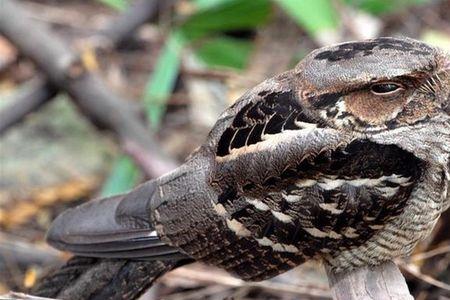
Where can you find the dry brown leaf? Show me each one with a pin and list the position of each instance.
(26, 209)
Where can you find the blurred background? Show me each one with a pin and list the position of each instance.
(135, 87)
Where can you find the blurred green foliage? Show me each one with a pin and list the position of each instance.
(226, 16)
(325, 17)
(125, 174)
(209, 32)
(383, 6)
(123, 177)
(225, 51)
(117, 4)
(162, 80)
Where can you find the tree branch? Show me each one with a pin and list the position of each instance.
(22, 253)
(26, 100)
(22, 296)
(380, 282)
(121, 28)
(66, 70)
(117, 31)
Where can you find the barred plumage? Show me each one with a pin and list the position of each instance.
(346, 159)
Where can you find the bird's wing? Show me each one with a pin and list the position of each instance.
(334, 201)
(298, 187)
(115, 227)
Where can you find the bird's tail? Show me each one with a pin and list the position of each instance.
(83, 278)
(118, 253)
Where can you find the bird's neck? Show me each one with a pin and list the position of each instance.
(429, 142)
(402, 233)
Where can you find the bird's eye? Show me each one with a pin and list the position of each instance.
(384, 89)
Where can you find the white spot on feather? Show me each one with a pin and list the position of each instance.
(388, 191)
(394, 178)
(281, 216)
(238, 228)
(331, 184)
(321, 234)
(258, 204)
(305, 183)
(274, 139)
(350, 232)
(219, 209)
(306, 125)
(331, 207)
(268, 141)
(360, 182)
(291, 198)
(264, 241)
(277, 246)
(376, 227)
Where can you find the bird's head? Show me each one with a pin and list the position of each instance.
(391, 91)
(387, 91)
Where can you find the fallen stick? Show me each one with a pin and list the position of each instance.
(66, 70)
(24, 253)
(381, 282)
(40, 91)
(26, 100)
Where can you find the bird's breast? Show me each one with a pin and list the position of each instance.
(400, 235)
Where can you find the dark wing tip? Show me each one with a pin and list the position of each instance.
(110, 227)
(91, 222)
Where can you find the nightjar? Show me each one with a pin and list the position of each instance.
(345, 159)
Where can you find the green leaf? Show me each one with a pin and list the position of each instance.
(205, 4)
(226, 16)
(225, 51)
(163, 78)
(383, 6)
(123, 177)
(314, 16)
(116, 4)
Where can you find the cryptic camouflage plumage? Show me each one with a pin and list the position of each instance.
(345, 159)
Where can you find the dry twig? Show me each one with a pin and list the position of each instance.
(380, 282)
(24, 253)
(426, 255)
(227, 280)
(415, 271)
(22, 296)
(26, 100)
(66, 70)
(118, 31)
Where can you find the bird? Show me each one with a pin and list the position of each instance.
(344, 159)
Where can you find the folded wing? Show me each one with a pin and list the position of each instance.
(114, 227)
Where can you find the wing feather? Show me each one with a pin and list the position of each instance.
(115, 227)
